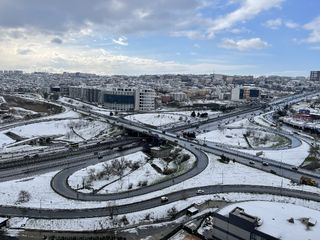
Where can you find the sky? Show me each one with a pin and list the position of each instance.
(133, 37)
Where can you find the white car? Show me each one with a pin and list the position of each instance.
(164, 199)
(200, 191)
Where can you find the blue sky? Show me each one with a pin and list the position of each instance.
(259, 37)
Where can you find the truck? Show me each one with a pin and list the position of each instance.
(308, 181)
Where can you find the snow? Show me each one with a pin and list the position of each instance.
(68, 113)
(166, 118)
(225, 136)
(188, 113)
(235, 137)
(79, 104)
(215, 173)
(262, 121)
(84, 128)
(2, 100)
(25, 111)
(241, 123)
(293, 156)
(5, 140)
(156, 214)
(156, 119)
(130, 180)
(76, 179)
(275, 219)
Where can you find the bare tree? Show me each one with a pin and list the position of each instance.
(23, 197)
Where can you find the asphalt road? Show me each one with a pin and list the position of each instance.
(154, 202)
(59, 182)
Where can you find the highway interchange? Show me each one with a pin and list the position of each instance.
(71, 164)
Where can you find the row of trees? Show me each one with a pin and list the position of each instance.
(201, 115)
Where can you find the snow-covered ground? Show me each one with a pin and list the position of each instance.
(242, 123)
(157, 119)
(262, 121)
(86, 129)
(216, 173)
(257, 138)
(147, 174)
(188, 113)
(130, 179)
(293, 156)
(275, 218)
(140, 218)
(68, 113)
(80, 104)
(5, 140)
(166, 118)
(81, 177)
(225, 136)
(41, 194)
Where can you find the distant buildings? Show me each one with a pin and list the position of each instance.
(315, 76)
(248, 93)
(121, 99)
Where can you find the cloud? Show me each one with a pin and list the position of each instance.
(24, 51)
(244, 44)
(112, 16)
(57, 40)
(63, 57)
(278, 22)
(189, 34)
(121, 41)
(314, 28)
(247, 10)
(274, 23)
(291, 24)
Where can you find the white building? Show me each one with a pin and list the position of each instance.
(245, 93)
(179, 96)
(119, 99)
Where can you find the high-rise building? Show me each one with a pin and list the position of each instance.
(315, 75)
(248, 93)
(121, 99)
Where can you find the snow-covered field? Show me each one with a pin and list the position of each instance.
(5, 140)
(275, 218)
(86, 129)
(81, 177)
(68, 113)
(154, 214)
(293, 156)
(157, 119)
(130, 178)
(147, 174)
(41, 194)
(161, 118)
(215, 173)
(235, 137)
(80, 104)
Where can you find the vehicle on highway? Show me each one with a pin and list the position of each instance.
(295, 168)
(308, 181)
(200, 191)
(265, 164)
(273, 172)
(164, 199)
(251, 162)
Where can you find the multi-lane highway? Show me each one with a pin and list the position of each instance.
(154, 202)
(59, 182)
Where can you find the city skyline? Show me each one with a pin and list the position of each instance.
(273, 37)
